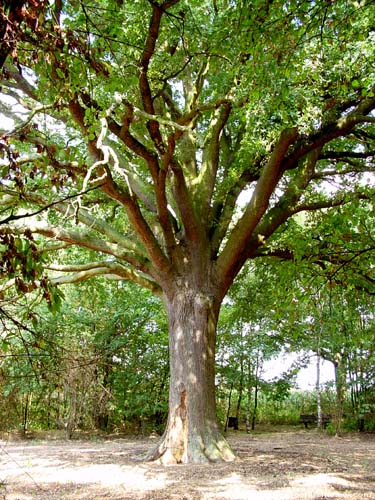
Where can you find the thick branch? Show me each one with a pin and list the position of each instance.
(127, 201)
(182, 195)
(285, 207)
(339, 128)
(339, 261)
(83, 239)
(108, 268)
(93, 223)
(22, 83)
(20, 127)
(205, 184)
(231, 255)
(334, 201)
(146, 95)
(132, 143)
(278, 216)
(344, 155)
(143, 229)
(164, 215)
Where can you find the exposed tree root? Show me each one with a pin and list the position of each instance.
(175, 448)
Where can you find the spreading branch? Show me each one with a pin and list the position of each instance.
(234, 249)
(108, 269)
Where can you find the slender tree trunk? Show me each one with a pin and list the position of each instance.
(256, 390)
(192, 433)
(249, 398)
(318, 392)
(25, 416)
(101, 411)
(49, 409)
(103, 417)
(340, 382)
(253, 420)
(71, 422)
(229, 407)
(240, 390)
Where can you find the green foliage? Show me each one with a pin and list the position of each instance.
(83, 367)
(20, 260)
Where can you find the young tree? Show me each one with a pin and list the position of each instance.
(144, 122)
(247, 337)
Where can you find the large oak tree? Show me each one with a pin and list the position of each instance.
(174, 141)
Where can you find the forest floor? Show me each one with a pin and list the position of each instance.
(284, 465)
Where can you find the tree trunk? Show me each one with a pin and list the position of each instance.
(254, 417)
(249, 394)
(229, 407)
(25, 416)
(340, 382)
(240, 389)
(192, 433)
(256, 391)
(318, 392)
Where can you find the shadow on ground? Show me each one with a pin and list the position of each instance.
(294, 465)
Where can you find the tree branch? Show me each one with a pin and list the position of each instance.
(230, 259)
(185, 205)
(125, 198)
(145, 89)
(339, 128)
(83, 239)
(46, 206)
(22, 83)
(205, 184)
(108, 269)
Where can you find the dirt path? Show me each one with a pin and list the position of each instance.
(294, 465)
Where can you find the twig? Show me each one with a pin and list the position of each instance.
(27, 214)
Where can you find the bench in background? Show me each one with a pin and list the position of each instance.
(312, 418)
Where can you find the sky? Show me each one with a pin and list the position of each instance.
(306, 378)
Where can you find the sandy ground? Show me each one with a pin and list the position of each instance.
(293, 465)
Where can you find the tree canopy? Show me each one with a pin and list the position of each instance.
(176, 140)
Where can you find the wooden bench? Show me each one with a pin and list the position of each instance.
(365, 417)
(233, 422)
(312, 418)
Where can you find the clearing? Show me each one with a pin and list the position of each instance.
(283, 465)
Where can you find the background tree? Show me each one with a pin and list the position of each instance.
(326, 305)
(246, 339)
(140, 138)
(100, 362)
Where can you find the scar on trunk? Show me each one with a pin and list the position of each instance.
(181, 410)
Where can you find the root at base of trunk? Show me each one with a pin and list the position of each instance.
(196, 450)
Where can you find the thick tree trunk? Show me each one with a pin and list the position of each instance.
(192, 433)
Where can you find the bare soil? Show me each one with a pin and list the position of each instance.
(282, 465)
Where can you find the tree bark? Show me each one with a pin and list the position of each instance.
(192, 434)
(256, 389)
(340, 383)
(318, 391)
(229, 407)
(249, 394)
(25, 416)
(241, 387)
